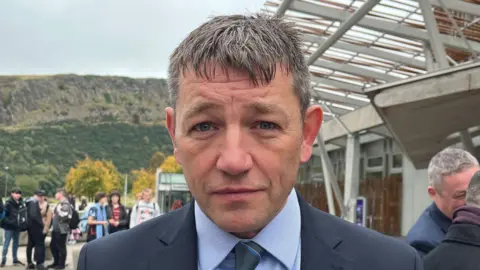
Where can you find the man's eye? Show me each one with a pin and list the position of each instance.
(202, 127)
(266, 125)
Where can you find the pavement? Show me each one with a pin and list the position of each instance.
(22, 256)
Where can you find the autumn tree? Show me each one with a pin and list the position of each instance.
(91, 176)
(142, 179)
(156, 161)
(170, 165)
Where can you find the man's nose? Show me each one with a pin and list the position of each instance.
(234, 158)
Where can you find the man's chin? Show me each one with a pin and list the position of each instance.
(243, 224)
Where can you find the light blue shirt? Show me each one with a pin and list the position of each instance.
(281, 238)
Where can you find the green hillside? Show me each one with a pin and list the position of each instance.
(47, 123)
(45, 154)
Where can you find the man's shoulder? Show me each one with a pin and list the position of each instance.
(363, 244)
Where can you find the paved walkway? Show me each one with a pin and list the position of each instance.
(22, 256)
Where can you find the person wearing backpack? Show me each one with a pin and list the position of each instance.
(145, 209)
(15, 221)
(35, 232)
(62, 214)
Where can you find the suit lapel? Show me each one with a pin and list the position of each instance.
(320, 241)
(177, 243)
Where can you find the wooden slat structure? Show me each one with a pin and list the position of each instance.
(384, 197)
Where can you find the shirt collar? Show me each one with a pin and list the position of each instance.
(281, 237)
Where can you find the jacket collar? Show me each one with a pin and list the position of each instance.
(468, 234)
(439, 218)
(178, 240)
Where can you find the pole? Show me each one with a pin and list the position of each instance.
(125, 190)
(6, 181)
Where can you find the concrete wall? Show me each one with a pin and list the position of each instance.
(415, 196)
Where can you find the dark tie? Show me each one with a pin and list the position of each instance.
(247, 255)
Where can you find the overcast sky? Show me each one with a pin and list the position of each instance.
(105, 37)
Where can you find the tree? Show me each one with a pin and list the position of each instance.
(170, 165)
(26, 184)
(156, 161)
(92, 176)
(142, 179)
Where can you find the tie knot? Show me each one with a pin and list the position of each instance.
(248, 255)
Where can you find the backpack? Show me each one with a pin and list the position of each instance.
(83, 225)
(74, 220)
(22, 217)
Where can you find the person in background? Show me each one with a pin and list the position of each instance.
(83, 204)
(449, 173)
(460, 249)
(35, 232)
(117, 214)
(72, 200)
(11, 225)
(138, 197)
(97, 218)
(145, 209)
(62, 213)
(47, 215)
(177, 204)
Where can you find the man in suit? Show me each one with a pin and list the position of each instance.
(241, 124)
(461, 246)
(449, 173)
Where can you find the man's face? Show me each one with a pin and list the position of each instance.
(16, 195)
(240, 146)
(58, 196)
(453, 191)
(147, 196)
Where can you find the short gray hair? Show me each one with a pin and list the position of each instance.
(251, 44)
(448, 162)
(473, 191)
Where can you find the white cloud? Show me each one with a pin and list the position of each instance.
(116, 37)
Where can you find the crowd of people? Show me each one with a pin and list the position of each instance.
(35, 216)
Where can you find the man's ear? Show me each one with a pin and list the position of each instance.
(311, 125)
(170, 121)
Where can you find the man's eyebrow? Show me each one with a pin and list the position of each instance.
(199, 108)
(266, 108)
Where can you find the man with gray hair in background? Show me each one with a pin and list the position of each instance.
(461, 247)
(449, 173)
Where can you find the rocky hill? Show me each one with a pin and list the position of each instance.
(32, 100)
(47, 123)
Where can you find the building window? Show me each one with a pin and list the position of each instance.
(397, 161)
(374, 162)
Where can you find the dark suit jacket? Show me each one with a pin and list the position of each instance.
(459, 250)
(429, 230)
(170, 242)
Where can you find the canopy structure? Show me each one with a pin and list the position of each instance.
(360, 51)
(351, 45)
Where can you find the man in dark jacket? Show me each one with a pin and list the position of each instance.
(11, 225)
(461, 247)
(62, 213)
(449, 173)
(35, 232)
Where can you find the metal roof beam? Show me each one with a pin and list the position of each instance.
(342, 100)
(457, 5)
(283, 7)
(432, 30)
(379, 25)
(355, 70)
(334, 110)
(367, 50)
(338, 84)
(342, 29)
